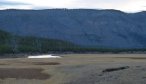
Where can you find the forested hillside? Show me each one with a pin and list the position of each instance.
(84, 27)
(27, 44)
(14, 44)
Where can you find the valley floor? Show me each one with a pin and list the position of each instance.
(75, 69)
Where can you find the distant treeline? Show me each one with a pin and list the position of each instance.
(13, 44)
(27, 44)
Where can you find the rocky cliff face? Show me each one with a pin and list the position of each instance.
(96, 28)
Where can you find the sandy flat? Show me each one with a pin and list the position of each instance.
(76, 69)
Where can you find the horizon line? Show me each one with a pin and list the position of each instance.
(75, 9)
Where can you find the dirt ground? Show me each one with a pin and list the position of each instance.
(75, 69)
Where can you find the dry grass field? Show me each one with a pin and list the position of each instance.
(75, 69)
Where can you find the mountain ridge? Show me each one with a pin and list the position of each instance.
(85, 27)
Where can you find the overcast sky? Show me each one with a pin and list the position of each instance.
(123, 5)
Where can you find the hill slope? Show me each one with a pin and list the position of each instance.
(93, 28)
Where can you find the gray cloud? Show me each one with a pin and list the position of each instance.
(41, 7)
(3, 3)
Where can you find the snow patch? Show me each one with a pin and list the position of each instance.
(44, 56)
